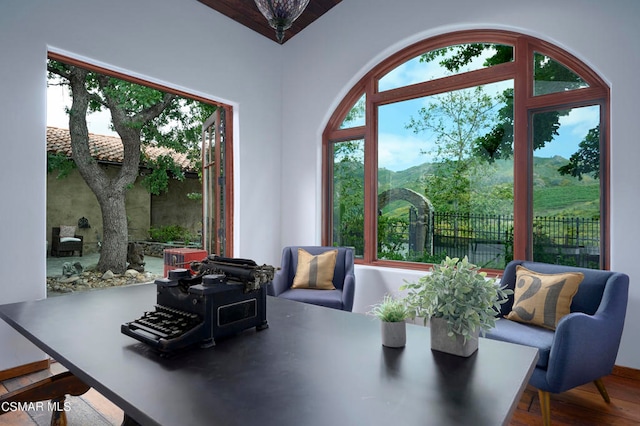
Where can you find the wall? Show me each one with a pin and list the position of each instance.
(180, 43)
(69, 199)
(331, 55)
(189, 215)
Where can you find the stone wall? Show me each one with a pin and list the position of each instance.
(175, 208)
(69, 199)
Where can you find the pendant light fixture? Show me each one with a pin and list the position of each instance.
(281, 13)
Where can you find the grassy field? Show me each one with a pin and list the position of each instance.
(574, 200)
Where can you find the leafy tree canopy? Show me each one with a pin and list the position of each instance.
(498, 143)
(587, 159)
(177, 127)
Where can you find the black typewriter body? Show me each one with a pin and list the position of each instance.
(198, 310)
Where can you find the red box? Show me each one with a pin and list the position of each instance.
(181, 258)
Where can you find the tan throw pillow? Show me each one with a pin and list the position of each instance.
(67, 231)
(315, 272)
(543, 299)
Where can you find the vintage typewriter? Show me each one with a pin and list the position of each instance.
(224, 297)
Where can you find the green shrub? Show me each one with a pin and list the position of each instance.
(170, 233)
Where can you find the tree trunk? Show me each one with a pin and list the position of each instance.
(110, 192)
(113, 255)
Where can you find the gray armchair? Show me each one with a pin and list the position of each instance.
(343, 279)
(584, 345)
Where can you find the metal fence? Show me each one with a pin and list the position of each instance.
(485, 239)
(488, 239)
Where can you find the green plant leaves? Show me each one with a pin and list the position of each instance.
(459, 292)
(390, 309)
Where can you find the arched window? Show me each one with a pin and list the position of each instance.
(504, 135)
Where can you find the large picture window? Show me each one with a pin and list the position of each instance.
(491, 145)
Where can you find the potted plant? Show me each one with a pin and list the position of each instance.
(460, 302)
(392, 312)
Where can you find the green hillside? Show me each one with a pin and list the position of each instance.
(554, 194)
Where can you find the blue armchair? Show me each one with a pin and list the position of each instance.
(343, 279)
(584, 345)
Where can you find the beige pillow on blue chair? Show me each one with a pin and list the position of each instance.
(315, 272)
(543, 299)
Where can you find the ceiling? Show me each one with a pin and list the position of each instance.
(246, 12)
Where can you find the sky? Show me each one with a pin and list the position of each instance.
(400, 148)
(59, 99)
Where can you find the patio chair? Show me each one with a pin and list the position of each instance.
(65, 242)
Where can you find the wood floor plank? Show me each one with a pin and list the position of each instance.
(106, 408)
(16, 418)
(584, 406)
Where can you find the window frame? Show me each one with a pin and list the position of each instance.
(525, 104)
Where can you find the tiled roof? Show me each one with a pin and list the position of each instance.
(108, 148)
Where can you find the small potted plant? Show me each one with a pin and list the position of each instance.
(392, 312)
(460, 302)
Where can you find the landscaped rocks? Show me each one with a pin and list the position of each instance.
(69, 280)
(91, 280)
(131, 273)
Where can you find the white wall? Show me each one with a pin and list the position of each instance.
(323, 62)
(186, 45)
(180, 43)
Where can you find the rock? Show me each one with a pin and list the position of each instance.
(131, 273)
(70, 279)
(108, 275)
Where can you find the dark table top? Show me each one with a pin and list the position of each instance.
(312, 366)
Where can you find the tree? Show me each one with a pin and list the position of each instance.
(456, 120)
(498, 143)
(140, 115)
(348, 202)
(587, 159)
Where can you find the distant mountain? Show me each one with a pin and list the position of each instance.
(554, 194)
(546, 171)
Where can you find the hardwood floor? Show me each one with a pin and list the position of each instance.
(89, 409)
(584, 406)
(580, 406)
